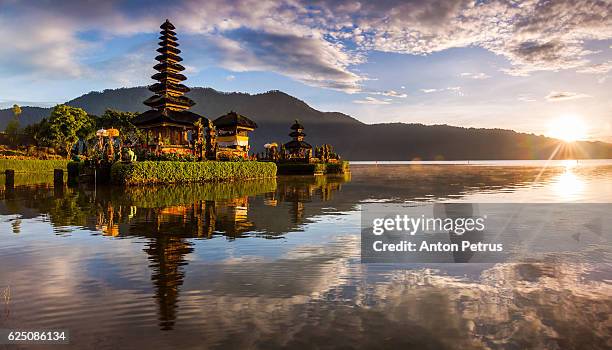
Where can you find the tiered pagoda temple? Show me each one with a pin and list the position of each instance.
(297, 149)
(169, 123)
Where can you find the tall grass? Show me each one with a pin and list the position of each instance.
(32, 165)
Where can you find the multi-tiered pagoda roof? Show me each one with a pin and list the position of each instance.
(298, 138)
(169, 105)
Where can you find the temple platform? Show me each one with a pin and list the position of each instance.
(293, 168)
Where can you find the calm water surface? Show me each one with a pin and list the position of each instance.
(276, 263)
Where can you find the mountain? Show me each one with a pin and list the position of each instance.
(274, 112)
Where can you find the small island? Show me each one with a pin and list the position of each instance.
(168, 143)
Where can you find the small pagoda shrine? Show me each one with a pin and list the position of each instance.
(297, 149)
(168, 125)
(232, 135)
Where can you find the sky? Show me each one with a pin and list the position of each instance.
(521, 65)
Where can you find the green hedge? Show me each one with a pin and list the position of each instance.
(32, 165)
(152, 172)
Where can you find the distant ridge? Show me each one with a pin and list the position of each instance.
(274, 111)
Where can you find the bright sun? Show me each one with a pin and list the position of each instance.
(568, 129)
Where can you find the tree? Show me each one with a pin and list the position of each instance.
(32, 131)
(64, 127)
(12, 131)
(16, 111)
(13, 126)
(88, 130)
(121, 121)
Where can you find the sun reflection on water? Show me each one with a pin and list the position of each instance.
(569, 185)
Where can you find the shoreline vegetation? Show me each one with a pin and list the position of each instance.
(168, 172)
(171, 172)
(32, 165)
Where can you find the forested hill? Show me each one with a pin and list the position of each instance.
(274, 112)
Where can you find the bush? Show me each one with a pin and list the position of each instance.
(151, 172)
(145, 154)
(32, 165)
(337, 168)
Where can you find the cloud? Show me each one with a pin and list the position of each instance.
(249, 35)
(44, 104)
(132, 69)
(318, 42)
(531, 35)
(230, 77)
(456, 89)
(526, 98)
(476, 76)
(312, 61)
(53, 51)
(598, 68)
(428, 91)
(369, 100)
(555, 96)
(391, 93)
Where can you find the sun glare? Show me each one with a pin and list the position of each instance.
(568, 129)
(568, 185)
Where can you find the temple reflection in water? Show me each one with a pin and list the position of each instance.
(169, 217)
(208, 210)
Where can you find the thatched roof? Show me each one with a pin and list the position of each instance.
(157, 101)
(297, 125)
(297, 144)
(167, 25)
(165, 75)
(164, 57)
(296, 134)
(234, 119)
(153, 117)
(166, 42)
(159, 88)
(165, 36)
(167, 65)
(168, 49)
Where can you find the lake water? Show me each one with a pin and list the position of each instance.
(276, 264)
